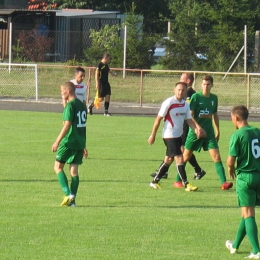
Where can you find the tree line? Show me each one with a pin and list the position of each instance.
(213, 29)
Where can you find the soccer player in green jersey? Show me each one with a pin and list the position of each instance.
(204, 109)
(70, 144)
(244, 150)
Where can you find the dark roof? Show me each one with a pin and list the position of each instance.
(10, 11)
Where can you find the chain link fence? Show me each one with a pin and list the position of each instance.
(201, 53)
(138, 88)
(19, 81)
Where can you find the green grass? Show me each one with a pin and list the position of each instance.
(118, 215)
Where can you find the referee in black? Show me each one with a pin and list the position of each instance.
(102, 84)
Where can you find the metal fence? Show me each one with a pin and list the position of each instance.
(138, 88)
(69, 47)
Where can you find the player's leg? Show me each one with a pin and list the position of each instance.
(166, 160)
(182, 173)
(250, 199)
(192, 144)
(107, 99)
(62, 178)
(215, 155)
(62, 155)
(74, 166)
(186, 155)
(74, 185)
(199, 173)
(248, 214)
(243, 199)
(161, 172)
(164, 166)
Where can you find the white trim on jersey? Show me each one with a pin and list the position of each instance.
(80, 90)
(174, 113)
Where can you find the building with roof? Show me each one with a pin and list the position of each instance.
(66, 31)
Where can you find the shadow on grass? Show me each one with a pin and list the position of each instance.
(153, 206)
(120, 181)
(141, 160)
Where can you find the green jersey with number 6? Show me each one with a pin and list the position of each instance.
(244, 144)
(203, 108)
(75, 112)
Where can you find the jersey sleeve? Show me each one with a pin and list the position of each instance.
(68, 112)
(188, 115)
(193, 102)
(85, 92)
(164, 108)
(216, 106)
(233, 146)
(99, 66)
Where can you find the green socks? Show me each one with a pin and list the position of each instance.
(252, 232)
(64, 183)
(220, 171)
(74, 185)
(241, 232)
(247, 227)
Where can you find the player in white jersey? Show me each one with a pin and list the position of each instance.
(80, 87)
(174, 111)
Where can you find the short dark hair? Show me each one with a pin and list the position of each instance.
(208, 78)
(189, 76)
(241, 112)
(181, 83)
(79, 69)
(106, 55)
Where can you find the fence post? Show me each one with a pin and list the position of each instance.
(248, 91)
(141, 88)
(10, 44)
(36, 83)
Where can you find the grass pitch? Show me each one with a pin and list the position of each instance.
(118, 215)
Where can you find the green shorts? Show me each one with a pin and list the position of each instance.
(194, 144)
(70, 156)
(248, 189)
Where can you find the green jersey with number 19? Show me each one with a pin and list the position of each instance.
(75, 112)
(203, 108)
(244, 144)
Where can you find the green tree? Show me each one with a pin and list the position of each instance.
(138, 44)
(155, 12)
(60, 4)
(211, 27)
(105, 40)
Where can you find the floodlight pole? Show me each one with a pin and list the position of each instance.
(245, 49)
(10, 45)
(124, 61)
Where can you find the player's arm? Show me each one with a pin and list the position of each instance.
(216, 124)
(156, 125)
(199, 131)
(231, 166)
(112, 73)
(97, 77)
(63, 132)
(88, 90)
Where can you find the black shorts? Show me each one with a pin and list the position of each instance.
(173, 146)
(104, 89)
